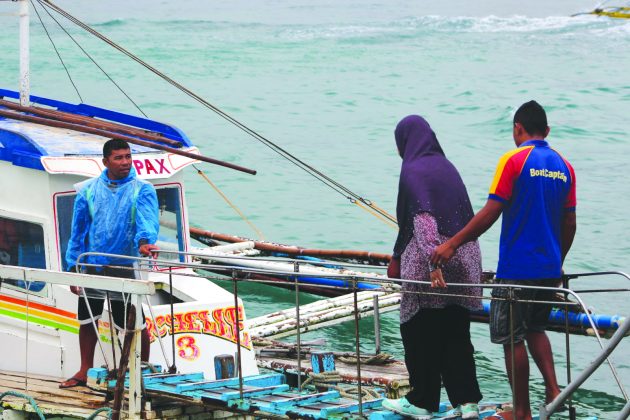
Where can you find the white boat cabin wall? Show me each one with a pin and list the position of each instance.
(39, 167)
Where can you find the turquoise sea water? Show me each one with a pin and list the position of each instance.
(329, 80)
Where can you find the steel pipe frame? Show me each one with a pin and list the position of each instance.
(544, 411)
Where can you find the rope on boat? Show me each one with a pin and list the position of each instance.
(57, 51)
(39, 412)
(261, 342)
(99, 411)
(30, 400)
(331, 379)
(377, 359)
(323, 178)
(230, 203)
(352, 392)
(168, 363)
(378, 215)
(92, 60)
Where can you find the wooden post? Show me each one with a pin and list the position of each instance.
(224, 366)
(119, 391)
(322, 361)
(135, 362)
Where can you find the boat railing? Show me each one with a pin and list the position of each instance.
(235, 269)
(134, 289)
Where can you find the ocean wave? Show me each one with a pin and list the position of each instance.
(621, 28)
(178, 25)
(411, 26)
(112, 23)
(552, 24)
(527, 24)
(337, 31)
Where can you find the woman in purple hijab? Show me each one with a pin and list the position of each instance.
(433, 205)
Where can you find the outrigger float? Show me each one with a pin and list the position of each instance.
(200, 333)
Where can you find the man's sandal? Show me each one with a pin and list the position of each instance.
(72, 382)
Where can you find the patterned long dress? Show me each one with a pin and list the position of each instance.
(464, 267)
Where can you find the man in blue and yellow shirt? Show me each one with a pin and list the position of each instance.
(534, 189)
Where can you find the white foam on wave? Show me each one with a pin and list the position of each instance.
(523, 24)
(620, 28)
(462, 24)
(337, 32)
(590, 23)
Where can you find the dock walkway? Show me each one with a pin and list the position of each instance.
(191, 397)
(82, 402)
(74, 402)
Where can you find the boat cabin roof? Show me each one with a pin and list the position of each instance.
(63, 150)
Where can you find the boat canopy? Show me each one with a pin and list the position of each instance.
(63, 150)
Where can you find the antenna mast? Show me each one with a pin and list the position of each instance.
(25, 83)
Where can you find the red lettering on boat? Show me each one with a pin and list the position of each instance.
(162, 167)
(149, 166)
(138, 165)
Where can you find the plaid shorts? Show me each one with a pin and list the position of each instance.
(526, 317)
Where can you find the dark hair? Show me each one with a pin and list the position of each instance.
(114, 144)
(532, 117)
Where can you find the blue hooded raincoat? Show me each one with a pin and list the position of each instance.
(112, 217)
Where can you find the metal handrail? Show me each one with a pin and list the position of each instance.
(238, 271)
(135, 288)
(551, 408)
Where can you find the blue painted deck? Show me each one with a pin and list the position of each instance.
(265, 393)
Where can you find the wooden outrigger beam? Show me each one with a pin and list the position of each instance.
(90, 122)
(292, 250)
(83, 129)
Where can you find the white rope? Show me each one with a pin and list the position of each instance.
(157, 332)
(93, 322)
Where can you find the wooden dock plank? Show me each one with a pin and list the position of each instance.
(78, 402)
(173, 378)
(350, 408)
(82, 393)
(257, 380)
(275, 400)
(382, 375)
(232, 394)
(307, 399)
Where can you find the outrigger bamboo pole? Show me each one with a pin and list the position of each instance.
(77, 127)
(294, 250)
(89, 122)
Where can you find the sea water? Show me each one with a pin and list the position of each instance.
(328, 80)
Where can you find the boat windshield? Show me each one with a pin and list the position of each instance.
(22, 244)
(171, 235)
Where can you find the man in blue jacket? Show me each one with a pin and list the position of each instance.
(115, 213)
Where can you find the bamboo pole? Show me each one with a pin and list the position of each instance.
(90, 122)
(76, 127)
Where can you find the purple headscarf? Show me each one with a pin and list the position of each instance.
(428, 183)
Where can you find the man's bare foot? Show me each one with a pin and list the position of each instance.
(550, 396)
